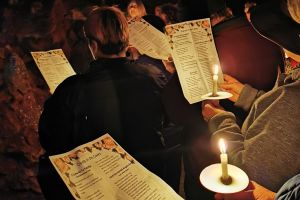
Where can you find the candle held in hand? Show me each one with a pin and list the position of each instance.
(215, 80)
(224, 160)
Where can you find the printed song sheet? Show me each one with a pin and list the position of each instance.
(194, 54)
(148, 40)
(54, 66)
(101, 169)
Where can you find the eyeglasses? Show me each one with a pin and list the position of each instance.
(88, 39)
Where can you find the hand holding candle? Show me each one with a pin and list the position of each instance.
(216, 177)
(215, 80)
(224, 163)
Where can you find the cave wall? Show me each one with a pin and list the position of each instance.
(19, 145)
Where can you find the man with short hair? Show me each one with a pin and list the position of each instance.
(115, 96)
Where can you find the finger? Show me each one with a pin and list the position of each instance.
(244, 195)
(215, 103)
(218, 196)
(251, 185)
(207, 112)
(227, 85)
(209, 108)
(203, 104)
(228, 78)
(234, 97)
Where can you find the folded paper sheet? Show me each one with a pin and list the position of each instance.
(54, 66)
(102, 169)
(148, 40)
(194, 54)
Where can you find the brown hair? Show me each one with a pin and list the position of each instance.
(108, 27)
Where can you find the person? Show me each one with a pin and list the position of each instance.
(168, 13)
(247, 61)
(133, 9)
(166, 68)
(115, 96)
(242, 52)
(266, 146)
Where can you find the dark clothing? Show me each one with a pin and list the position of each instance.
(115, 97)
(195, 135)
(192, 10)
(144, 59)
(246, 56)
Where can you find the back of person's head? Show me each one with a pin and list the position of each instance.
(108, 28)
(155, 21)
(169, 13)
(219, 11)
(133, 8)
(216, 6)
(192, 10)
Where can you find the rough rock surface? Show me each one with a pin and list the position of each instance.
(19, 145)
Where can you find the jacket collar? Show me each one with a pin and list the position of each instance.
(104, 63)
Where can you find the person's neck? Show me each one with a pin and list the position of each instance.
(120, 55)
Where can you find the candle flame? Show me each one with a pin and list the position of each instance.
(222, 146)
(216, 69)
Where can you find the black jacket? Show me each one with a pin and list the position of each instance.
(115, 97)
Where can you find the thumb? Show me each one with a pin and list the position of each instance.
(208, 107)
(219, 196)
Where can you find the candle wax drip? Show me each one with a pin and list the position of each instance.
(227, 181)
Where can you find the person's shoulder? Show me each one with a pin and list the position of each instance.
(68, 85)
(233, 23)
(140, 69)
(148, 72)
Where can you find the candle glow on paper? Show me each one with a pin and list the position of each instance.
(224, 160)
(215, 80)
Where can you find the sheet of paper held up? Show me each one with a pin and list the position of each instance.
(102, 169)
(148, 40)
(54, 66)
(194, 54)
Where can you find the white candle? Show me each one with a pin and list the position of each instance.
(224, 160)
(215, 80)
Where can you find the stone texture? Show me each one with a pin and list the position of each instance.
(19, 145)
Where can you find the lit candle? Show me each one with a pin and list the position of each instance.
(224, 160)
(215, 81)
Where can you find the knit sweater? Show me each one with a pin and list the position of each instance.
(267, 145)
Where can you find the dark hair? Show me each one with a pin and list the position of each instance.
(171, 12)
(108, 27)
(155, 21)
